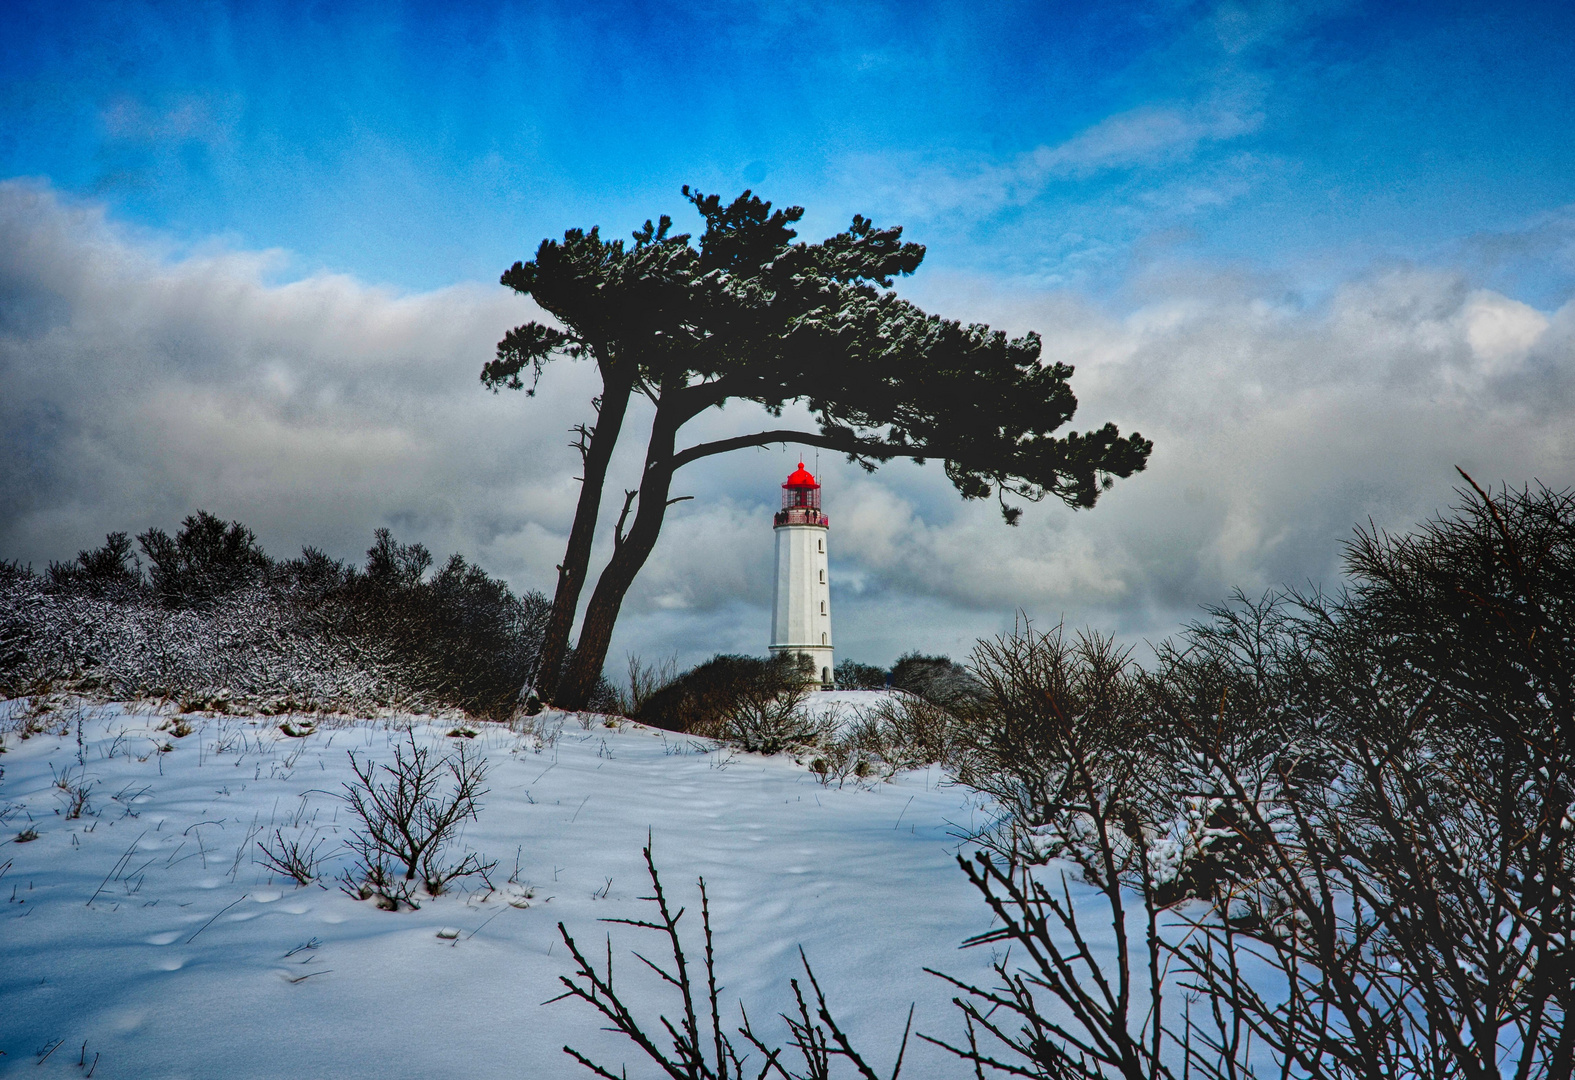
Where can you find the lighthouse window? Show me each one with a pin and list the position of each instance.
(822, 544)
(822, 577)
(822, 607)
(825, 639)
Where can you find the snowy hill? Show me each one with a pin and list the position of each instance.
(149, 929)
(845, 705)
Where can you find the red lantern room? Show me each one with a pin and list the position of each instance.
(800, 490)
(801, 500)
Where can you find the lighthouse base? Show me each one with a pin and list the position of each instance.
(820, 656)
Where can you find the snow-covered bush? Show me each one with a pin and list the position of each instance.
(854, 750)
(217, 623)
(465, 637)
(899, 732)
(254, 646)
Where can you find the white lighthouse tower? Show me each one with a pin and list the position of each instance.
(801, 608)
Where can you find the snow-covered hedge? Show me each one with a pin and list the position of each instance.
(217, 622)
(252, 646)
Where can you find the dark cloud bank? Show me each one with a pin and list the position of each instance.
(138, 383)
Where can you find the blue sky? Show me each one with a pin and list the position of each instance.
(1320, 252)
(422, 146)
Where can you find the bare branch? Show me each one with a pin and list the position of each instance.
(873, 449)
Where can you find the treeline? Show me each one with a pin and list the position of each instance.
(1335, 834)
(207, 617)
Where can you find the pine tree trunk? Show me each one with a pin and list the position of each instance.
(629, 555)
(577, 554)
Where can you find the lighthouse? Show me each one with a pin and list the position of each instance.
(801, 605)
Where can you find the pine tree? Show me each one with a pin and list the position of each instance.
(749, 314)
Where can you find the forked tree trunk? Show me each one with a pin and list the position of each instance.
(577, 554)
(629, 555)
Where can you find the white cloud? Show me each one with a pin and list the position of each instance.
(1140, 136)
(136, 386)
(1502, 332)
(1150, 135)
(1277, 428)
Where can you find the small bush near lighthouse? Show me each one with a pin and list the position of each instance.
(744, 699)
(852, 675)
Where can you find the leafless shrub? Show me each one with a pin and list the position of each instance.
(295, 858)
(853, 750)
(1146, 813)
(539, 732)
(1114, 1023)
(903, 731)
(697, 1045)
(916, 731)
(1049, 733)
(1413, 889)
(645, 680)
(74, 788)
(767, 718)
(1052, 719)
(410, 812)
(1371, 795)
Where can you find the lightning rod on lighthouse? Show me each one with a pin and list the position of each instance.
(801, 605)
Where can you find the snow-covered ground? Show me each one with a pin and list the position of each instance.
(844, 706)
(148, 930)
